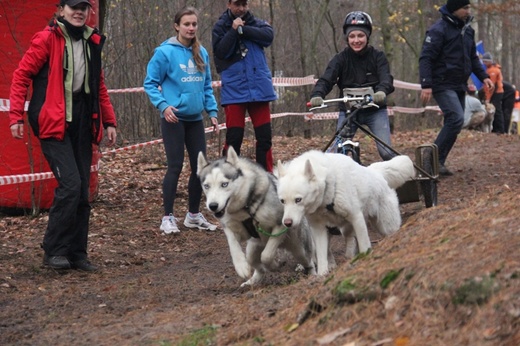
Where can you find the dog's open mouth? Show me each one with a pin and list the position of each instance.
(220, 213)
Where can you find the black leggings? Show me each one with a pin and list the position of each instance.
(175, 136)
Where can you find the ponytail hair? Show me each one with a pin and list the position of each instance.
(195, 44)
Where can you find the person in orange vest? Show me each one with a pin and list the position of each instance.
(495, 95)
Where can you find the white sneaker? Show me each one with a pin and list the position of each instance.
(169, 225)
(198, 221)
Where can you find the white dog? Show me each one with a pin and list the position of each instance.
(487, 125)
(333, 191)
(243, 196)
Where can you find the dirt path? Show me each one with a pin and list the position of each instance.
(168, 290)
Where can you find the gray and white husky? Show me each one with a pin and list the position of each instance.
(243, 196)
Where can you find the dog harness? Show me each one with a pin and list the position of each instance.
(249, 224)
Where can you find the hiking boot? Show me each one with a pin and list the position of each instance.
(198, 221)
(444, 171)
(56, 262)
(84, 265)
(169, 225)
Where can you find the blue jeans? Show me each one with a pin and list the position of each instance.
(378, 123)
(452, 104)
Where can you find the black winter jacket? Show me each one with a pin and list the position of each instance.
(449, 55)
(348, 69)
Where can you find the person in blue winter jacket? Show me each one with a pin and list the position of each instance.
(178, 84)
(447, 59)
(238, 40)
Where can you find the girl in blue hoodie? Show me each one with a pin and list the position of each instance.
(178, 83)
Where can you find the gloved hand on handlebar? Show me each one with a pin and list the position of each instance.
(379, 97)
(316, 101)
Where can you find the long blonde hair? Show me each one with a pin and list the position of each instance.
(195, 45)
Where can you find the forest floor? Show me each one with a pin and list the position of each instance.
(449, 276)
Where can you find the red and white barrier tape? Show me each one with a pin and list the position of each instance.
(4, 105)
(27, 178)
(405, 85)
(277, 81)
(407, 110)
(132, 147)
(157, 141)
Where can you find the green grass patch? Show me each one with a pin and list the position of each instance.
(389, 277)
(205, 336)
(348, 292)
(361, 256)
(475, 291)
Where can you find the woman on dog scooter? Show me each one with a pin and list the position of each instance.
(360, 65)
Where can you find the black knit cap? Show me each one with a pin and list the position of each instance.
(73, 3)
(454, 5)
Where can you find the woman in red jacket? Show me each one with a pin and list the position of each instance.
(68, 108)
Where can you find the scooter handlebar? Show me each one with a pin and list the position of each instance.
(364, 100)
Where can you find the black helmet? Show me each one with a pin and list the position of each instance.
(359, 20)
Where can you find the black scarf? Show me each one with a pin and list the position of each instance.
(76, 32)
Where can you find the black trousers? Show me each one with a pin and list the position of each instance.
(70, 161)
(498, 122)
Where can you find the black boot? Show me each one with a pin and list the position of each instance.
(56, 262)
(84, 265)
(444, 171)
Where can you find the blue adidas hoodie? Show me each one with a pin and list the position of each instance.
(173, 69)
